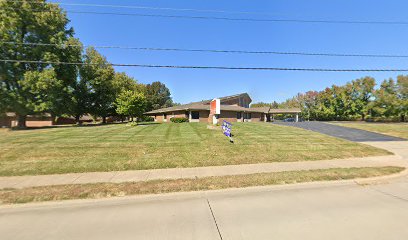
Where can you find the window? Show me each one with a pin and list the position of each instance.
(239, 115)
(195, 115)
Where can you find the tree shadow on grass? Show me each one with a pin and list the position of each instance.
(147, 123)
(66, 126)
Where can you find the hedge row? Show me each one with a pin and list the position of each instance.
(179, 120)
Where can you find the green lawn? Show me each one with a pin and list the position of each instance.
(120, 147)
(392, 129)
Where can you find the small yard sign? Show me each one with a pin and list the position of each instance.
(226, 128)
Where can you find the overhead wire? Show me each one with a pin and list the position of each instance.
(206, 67)
(150, 8)
(212, 50)
(276, 20)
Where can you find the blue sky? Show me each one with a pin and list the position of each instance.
(189, 85)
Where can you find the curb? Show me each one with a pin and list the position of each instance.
(381, 179)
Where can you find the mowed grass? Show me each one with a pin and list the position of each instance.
(103, 190)
(391, 129)
(119, 147)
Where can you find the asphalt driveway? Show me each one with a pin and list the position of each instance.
(351, 134)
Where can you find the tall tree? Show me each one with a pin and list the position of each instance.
(326, 105)
(402, 93)
(80, 102)
(260, 104)
(28, 22)
(308, 102)
(98, 74)
(73, 94)
(123, 82)
(386, 100)
(130, 103)
(158, 96)
(43, 89)
(361, 95)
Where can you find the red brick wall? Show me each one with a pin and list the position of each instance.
(257, 117)
(66, 121)
(204, 116)
(178, 114)
(227, 116)
(30, 123)
(5, 122)
(159, 118)
(234, 102)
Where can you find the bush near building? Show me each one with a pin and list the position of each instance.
(179, 120)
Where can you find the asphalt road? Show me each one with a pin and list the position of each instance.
(300, 212)
(355, 135)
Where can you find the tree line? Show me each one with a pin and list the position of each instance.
(359, 99)
(92, 86)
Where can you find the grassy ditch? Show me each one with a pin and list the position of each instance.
(103, 190)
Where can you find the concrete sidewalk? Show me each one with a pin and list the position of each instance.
(308, 211)
(400, 149)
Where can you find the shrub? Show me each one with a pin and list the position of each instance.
(179, 120)
(132, 124)
(383, 119)
(145, 119)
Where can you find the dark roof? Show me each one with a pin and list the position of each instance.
(204, 105)
(235, 96)
(261, 109)
(185, 107)
(197, 106)
(227, 98)
(289, 110)
(13, 114)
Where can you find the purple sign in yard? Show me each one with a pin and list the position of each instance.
(226, 128)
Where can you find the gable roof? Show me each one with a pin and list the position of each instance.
(204, 105)
(228, 98)
(201, 106)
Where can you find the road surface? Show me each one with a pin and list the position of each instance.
(322, 211)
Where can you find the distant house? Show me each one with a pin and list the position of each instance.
(9, 119)
(234, 108)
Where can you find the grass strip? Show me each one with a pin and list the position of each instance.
(103, 190)
(391, 129)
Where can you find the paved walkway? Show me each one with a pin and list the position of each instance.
(400, 149)
(351, 134)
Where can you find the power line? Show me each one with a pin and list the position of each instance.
(151, 8)
(214, 50)
(233, 19)
(207, 67)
